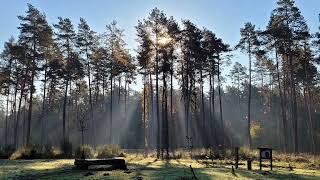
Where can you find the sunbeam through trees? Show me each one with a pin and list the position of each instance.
(65, 85)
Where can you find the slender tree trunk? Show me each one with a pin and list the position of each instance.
(306, 113)
(239, 104)
(125, 101)
(210, 140)
(202, 106)
(157, 104)
(6, 131)
(14, 110)
(6, 121)
(64, 111)
(119, 92)
(152, 108)
(50, 105)
(70, 108)
(220, 106)
(166, 122)
(11, 120)
(209, 128)
(44, 105)
(295, 117)
(293, 100)
(162, 124)
(308, 100)
(171, 102)
(33, 71)
(18, 114)
(312, 134)
(90, 98)
(111, 103)
(119, 109)
(285, 102)
(144, 117)
(214, 128)
(294, 105)
(283, 112)
(165, 127)
(249, 100)
(24, 121)
(103, 91)
(18, 120)
(30, 102)
(190, 115)
(187, 104)
(66, 97)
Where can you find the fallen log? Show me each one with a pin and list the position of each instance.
(115, 163)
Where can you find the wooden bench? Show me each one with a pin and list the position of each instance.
(115, 163)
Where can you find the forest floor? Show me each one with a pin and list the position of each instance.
(150, 168)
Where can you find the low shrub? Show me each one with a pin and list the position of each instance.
(108, 151)
(223, 153)
(181, 154)
(85, 150)
(200, 153)
(57, 153)
(247, 153)
(3, 154)
(66, 148)
(29, 152)
(47, 151)
(122, 154)
(6, 151)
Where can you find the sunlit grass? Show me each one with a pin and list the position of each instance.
(151, 168)
(55, 164)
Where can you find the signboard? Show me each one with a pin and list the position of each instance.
(265, 153)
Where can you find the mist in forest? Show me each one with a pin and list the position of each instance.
(67, 83)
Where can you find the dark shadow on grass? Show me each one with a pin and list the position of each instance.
(257, 174)
(139, 168)
(173, 171)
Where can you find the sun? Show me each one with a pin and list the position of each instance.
(164, 40)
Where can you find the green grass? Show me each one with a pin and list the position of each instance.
(150, 168)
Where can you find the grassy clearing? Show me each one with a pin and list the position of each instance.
(149, 168)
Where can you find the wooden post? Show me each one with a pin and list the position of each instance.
(260, 159)
(237, 157)
(194, 175)
(249, 164)
(271, 159)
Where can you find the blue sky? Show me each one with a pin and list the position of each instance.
(224, 17)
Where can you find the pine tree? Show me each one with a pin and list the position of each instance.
(156, 28)
(66, 39)
(6, 79)
(119, 58)
(34, 31)
(248, 43)
(85, 42)
(191, 49)
(287, 20)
